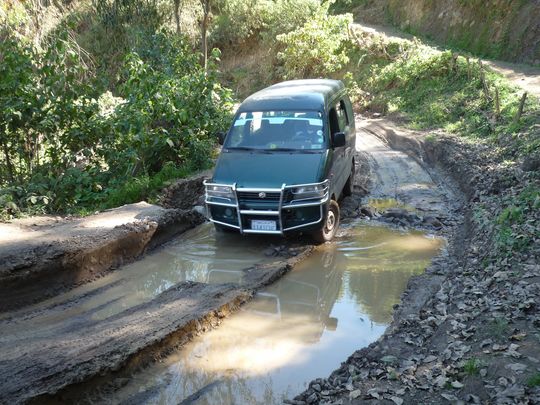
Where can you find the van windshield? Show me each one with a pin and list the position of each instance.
(277, 130)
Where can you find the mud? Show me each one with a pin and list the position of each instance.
(468, 308)
(216, 368)
(299, 327)
(102, 332)
(39, 362)
(185, 193)
(40, 257)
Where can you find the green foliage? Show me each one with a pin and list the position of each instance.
(498, 328)
(318, 48)
(240, 21)
(515, 225)
(534, 380)
(63, 148)
(472, 366)
(173, 108)
(144, 187)
(46, 114)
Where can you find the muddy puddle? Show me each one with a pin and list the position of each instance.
(198, 255)
(298, 329)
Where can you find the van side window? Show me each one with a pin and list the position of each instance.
(334, 121)
(343, 119)
(343, 108)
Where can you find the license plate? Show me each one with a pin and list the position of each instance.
(259, 225)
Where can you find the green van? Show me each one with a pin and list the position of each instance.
(286, 160)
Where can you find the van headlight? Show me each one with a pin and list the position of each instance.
(213, 191)
(312, 191)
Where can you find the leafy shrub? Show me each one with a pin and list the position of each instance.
(239, 21)
(514, 233)
(173, 109)
(63, 148)
(318, 48)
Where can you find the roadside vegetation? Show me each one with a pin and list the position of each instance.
(77, 134)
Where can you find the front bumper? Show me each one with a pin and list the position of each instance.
(272, 204)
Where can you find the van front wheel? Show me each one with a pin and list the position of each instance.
(330, 224)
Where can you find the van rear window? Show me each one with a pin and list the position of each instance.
(269, 130)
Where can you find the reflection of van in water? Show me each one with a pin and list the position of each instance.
(286, 160)
(307, 294)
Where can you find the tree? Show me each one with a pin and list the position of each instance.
(177, 7)
(206, 7)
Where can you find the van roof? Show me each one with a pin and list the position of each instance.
(311, 94)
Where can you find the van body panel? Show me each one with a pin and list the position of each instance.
(270, 170)
(259, 186)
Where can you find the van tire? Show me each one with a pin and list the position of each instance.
(348, 188)
(330, 224)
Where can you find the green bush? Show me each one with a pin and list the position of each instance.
(63, 148)
(240, 21)
(316, 49)
(173, 109)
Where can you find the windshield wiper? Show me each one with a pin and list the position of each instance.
(281, 150)
(242, 148)
(293, 150)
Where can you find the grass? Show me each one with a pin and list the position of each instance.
(472, 366)
(534, 380)
(498, 328)
(436, 89)
(144, 187)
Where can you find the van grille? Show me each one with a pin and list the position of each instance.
(254, 196)
(244, 196)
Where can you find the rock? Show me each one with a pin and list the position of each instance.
(472, 399)
(456, 384)
(200, 209)
(389, 359)
(398, 213)
(432, 221)
(449, 397)
(396, 400)
(368, 211)
(270, 252)
(531, 164)
(355, 394)
(517, 367)
(312, 398)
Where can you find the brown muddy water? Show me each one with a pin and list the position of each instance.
(198, 255)
(298, 329)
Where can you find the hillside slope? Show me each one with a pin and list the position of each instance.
(501, 29)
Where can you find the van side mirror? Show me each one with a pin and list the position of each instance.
(338, 139)
(221, 137)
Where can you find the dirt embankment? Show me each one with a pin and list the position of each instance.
(466, 330)
(41, 256)
(501, 29)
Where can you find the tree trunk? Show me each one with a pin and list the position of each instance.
(177, 15)
(521, 107)
(204, 31)
(9, 165)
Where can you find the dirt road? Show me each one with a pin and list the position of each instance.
(114, 324)
(524, 76)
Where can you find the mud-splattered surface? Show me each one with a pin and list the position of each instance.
(151, 305)
(301, 327)
(40, 257)
(339, 300)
